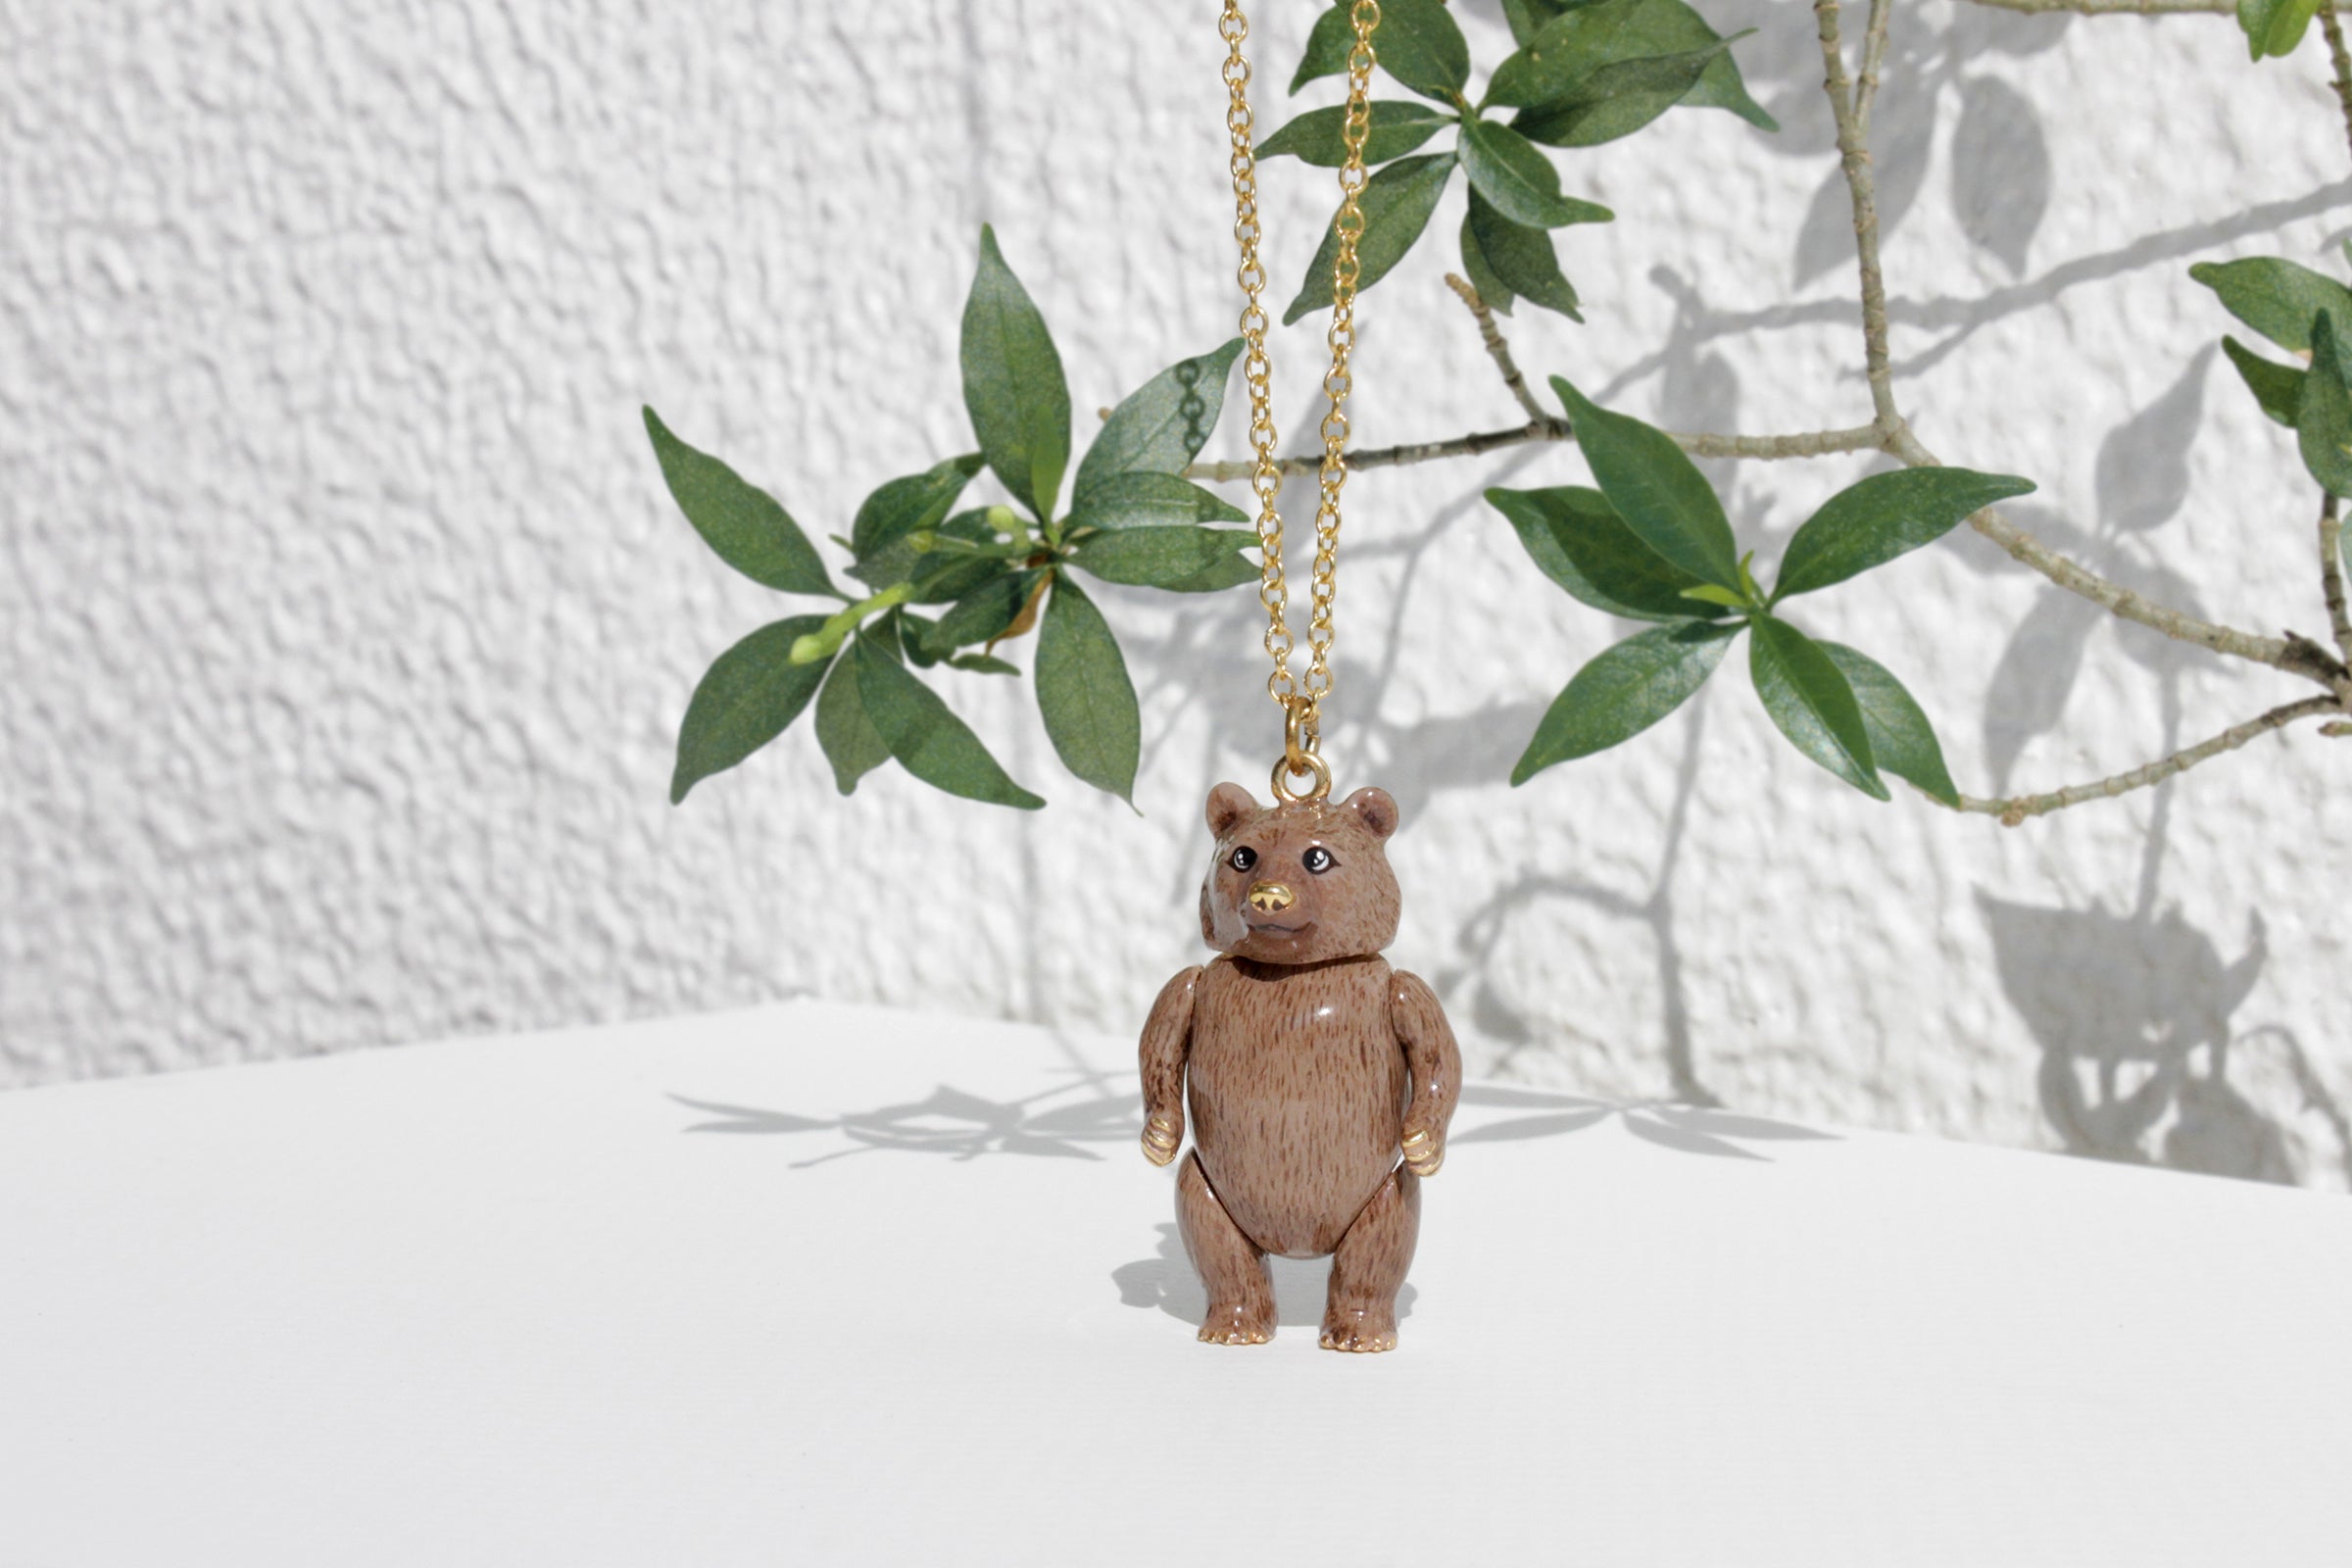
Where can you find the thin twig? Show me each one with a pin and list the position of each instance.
(2119, 8)
(2331, 577)
(2114, 596)
(1854, 153)
(1808, 444)
(1498, 350)
(1873, 56)
(2342, 60)
(1853, 148)
(2017, 809)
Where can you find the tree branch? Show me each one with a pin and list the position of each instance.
(2334, 31)
(2114, 596)
(1853, 148)
(1499, 351)
(2119, 8)
(2017, 809)
(1809, 444)
(2331, 577)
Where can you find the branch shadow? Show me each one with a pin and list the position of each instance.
(950, 1122)
(1484, 931)
(2134, 1014)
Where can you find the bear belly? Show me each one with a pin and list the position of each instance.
(1298, 1089)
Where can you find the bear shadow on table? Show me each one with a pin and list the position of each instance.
(1166, 1279)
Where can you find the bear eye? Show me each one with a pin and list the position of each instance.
(1318, 859)
(1242, 859)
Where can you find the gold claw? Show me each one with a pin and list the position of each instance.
(1161, 1139)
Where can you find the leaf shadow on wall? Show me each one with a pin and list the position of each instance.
(2141, 479)
(1505, 1021)
(1999, 184)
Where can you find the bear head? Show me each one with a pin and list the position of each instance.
(1300, 883)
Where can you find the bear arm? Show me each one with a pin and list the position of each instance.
(1436, 1061)
(1160, 1054)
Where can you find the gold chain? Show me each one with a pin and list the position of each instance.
(1302, 700)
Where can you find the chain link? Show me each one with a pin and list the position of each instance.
(1302, 698)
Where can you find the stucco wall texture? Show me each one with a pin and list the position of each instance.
(347, 624)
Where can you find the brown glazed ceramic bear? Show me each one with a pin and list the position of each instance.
(1320, 1079)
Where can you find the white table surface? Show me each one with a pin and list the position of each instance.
(828, 1285)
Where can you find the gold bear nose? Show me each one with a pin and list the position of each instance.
(1270, 897)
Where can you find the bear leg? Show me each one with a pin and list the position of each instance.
(1368, 1269)
(1240, 1298)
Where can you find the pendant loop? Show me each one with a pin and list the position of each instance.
(1301, 742)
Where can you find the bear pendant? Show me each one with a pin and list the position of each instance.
(1319, 1079)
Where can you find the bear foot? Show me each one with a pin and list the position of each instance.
(1234, 1325)
(1363, 1332)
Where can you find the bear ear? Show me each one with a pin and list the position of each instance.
(1375, 809)
(1228, 805)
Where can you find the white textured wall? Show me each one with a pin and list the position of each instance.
(347, 627)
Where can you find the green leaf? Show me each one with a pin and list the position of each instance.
(742, 522)
(1901, 740)
(1418, 42)
(914, 632)
(1569, 47)
(1580, 39)
(1497, 295)
(1808, 697)
(1012, 383)
(748, 697)
(1885, 516)
(1227, 572)
(1624, 691)
(2275, 297)
(1527, 17)
(1523, 258)
(1618, 99)
(1084, 695)
(1163, 425)
(982, 614)
(1512, 174)
(983, 664)
(1150, 500)
(1157, 558)
(1720, 86)
(1328, 44)
(1319, 136)
(1395, 203)
(2278, 388)
(1578, 541)
(2274, 26)
(1584, 38)
(944, 578)
(1655, 488)
(1706, 593)
(928, 740)
(903, 505)
(2323, 414)
(849, 740)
